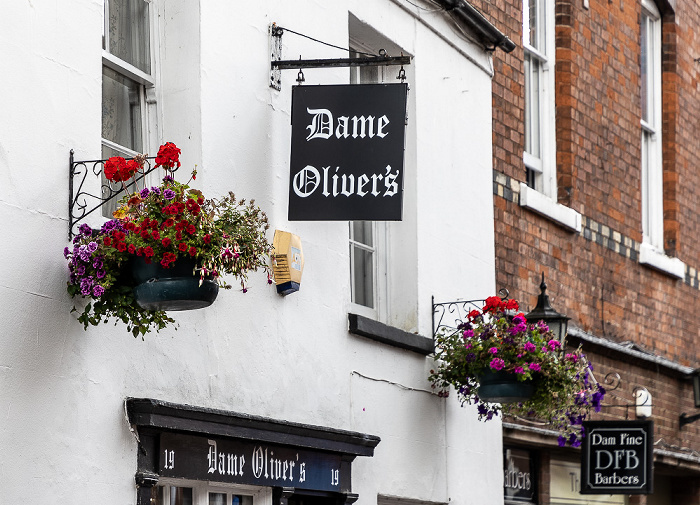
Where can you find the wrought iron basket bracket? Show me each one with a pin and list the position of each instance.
(82, 203)
(456, 312)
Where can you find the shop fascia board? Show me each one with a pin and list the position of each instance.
(157, 415)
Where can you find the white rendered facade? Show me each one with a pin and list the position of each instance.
(64, 437)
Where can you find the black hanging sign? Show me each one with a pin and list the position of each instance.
(245, 462)
(617, 457)
(347, 153)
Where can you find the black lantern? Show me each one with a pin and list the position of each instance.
(686, 419)
(557, 322)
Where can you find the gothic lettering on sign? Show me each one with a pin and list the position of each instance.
(243, 462)
(347, 155)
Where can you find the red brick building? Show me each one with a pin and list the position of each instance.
(597, 185)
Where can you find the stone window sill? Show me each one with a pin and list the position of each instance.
(545, 206)
(652, 257)
(380, 332)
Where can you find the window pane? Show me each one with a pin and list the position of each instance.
(363, 272)
(646, 67)
(362, 232)
(121, 110)
(532, 106)
(217, 499)
(129, 32)
(180, 496)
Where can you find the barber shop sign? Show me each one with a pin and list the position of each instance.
(347, 152)
(617, 457)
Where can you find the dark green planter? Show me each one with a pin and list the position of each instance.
(504, 387)
(174, 288)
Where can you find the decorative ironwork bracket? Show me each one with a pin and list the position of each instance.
(277, 63)
(82, 203)
(459, 310)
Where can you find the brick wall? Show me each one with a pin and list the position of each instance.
(595, 276)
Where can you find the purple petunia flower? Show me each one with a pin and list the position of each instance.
(85, 230)
(98, 290)
(168, 178)
(168, 194)
(155, 190)
(561, 441)
(92, 247)
(80, 270)
(100, 274)
(86, 286)
(144, 192)
(66, 252)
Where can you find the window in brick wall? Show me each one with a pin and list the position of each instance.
(652, 170)
(538, 41)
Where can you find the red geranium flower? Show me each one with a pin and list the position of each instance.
(121, 246)
(132, 248)
(155, 235)
(113, 168)
(182, 246)
(166, 242)
(148, 251)
(168, 156)
(193, 251)
(191, 229)
(107, 241)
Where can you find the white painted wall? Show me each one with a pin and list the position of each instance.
(63, 436)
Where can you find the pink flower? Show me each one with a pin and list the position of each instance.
(572, 357)
(519, 369)
(529, 347)
(535, 367)
(497, 364)
(468, 333)
(493, 350)
(554, 344)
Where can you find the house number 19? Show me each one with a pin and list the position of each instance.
(335, 476)
(169, 461)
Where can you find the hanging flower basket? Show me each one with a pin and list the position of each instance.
(500, 363)
(167, 248)
(504, 387)
(176, 288)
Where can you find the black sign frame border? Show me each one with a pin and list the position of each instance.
(589, 426)
(299, 211)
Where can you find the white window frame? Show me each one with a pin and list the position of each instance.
(542, 51)
(542, 198)
(651, 251)
(147, 82)
(201, 490)
(651, 148)
(380, 232)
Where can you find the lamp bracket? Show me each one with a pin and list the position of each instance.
(686, 419)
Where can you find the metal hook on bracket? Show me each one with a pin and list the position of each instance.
(300, 75)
